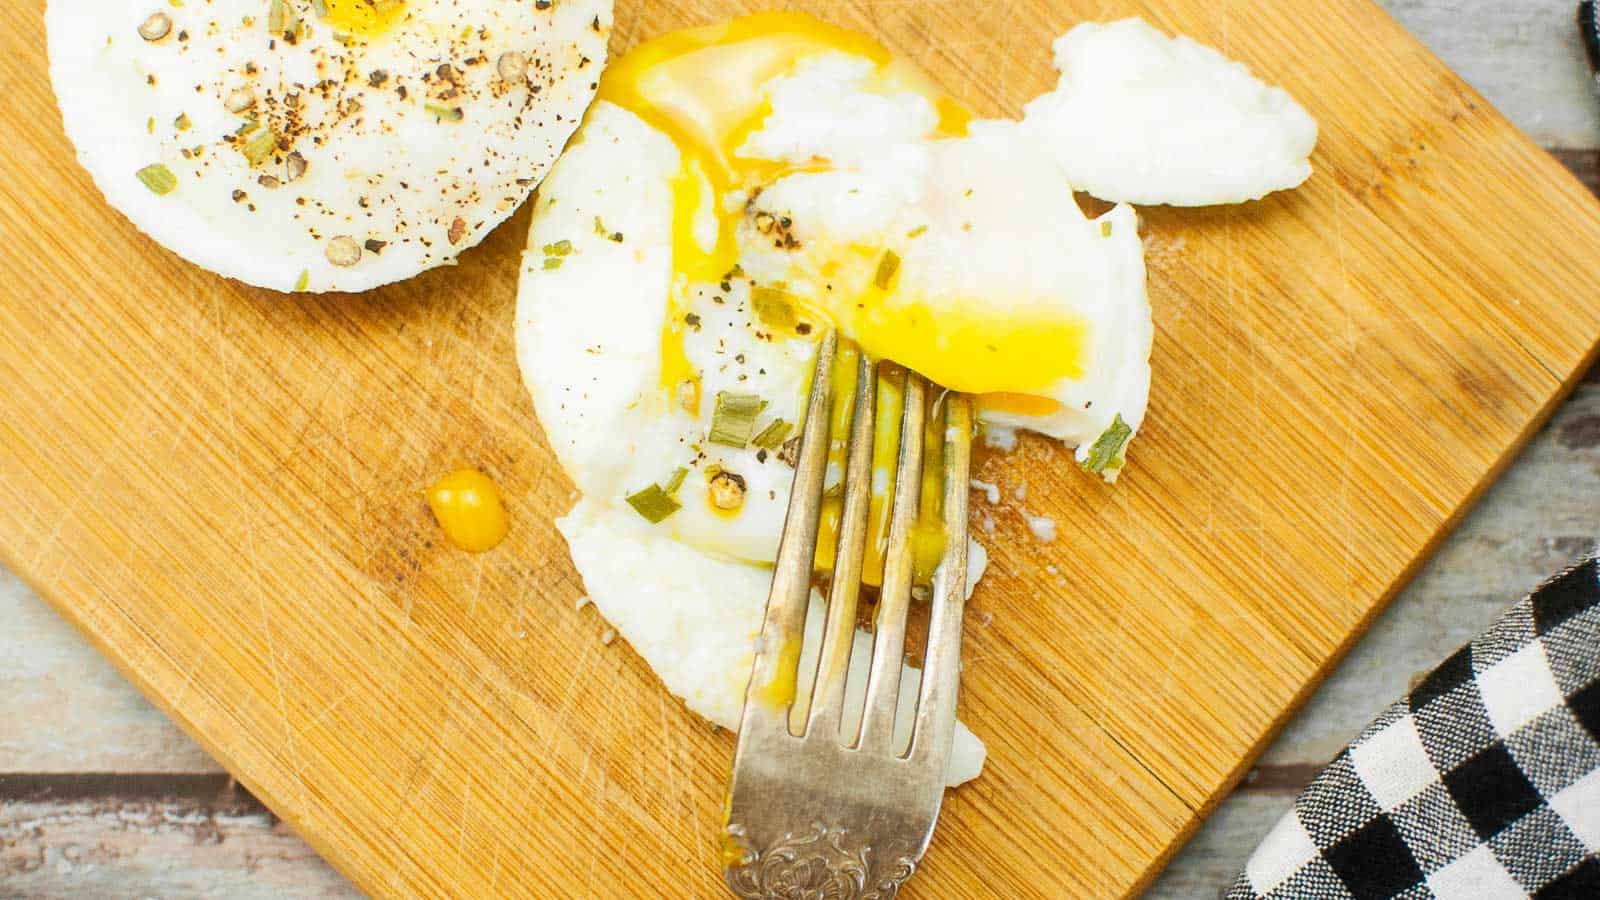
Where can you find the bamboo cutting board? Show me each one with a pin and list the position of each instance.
(220, 486)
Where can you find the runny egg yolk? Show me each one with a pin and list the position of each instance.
(976, 352)
(705, 89)
(364, 18)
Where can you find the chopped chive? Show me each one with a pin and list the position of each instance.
(653, 504)
(559, 248)
(301, 282)
(445, 113)
(282, 18)
(734, 419)
(772, 436)
(773, 307)
(258, 143)
(158, 178)
(552, 262)
(1105, 229)
(1108, 451)
(888, 265)
(676, 481)
(917, 232)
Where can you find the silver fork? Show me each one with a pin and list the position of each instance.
(826, 807)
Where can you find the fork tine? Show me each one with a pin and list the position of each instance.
(941, 669)
(775, 672)
(833, 663)
(894, 600)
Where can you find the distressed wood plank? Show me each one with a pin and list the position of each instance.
(1522, 55)
(63, 708)
(129, 848)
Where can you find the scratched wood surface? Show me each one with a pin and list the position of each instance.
(219, 487)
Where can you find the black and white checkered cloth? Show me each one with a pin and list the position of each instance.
(1483, 783)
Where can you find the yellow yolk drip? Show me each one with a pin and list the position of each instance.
(1018, 404)
(845, 362)
(469, 510)
(885, 453)
(927, 532)
(780, 691)
(364, 18)
(927, 535)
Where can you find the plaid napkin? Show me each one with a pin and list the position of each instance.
(1483, 783)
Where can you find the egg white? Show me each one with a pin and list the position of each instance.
(1141, 117)
(409, 187)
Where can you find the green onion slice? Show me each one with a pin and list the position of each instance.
(258, 144)
(446, 113)
(282, 18)
(774, 307)
(772, 436)
(559, 248)
(1109, 449)
(734, 420)
(653, 504)
(158, 178)
(676, 481)
(888, 265)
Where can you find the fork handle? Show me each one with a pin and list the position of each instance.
(824, 861)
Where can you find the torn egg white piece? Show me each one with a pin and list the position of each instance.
(1140, 117)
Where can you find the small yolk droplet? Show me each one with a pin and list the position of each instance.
(468, 507)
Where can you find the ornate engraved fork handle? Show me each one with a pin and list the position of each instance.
(819, 864)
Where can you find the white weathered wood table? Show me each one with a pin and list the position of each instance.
(101, 796)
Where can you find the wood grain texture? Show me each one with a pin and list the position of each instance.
(219, 486)
(113, 848)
